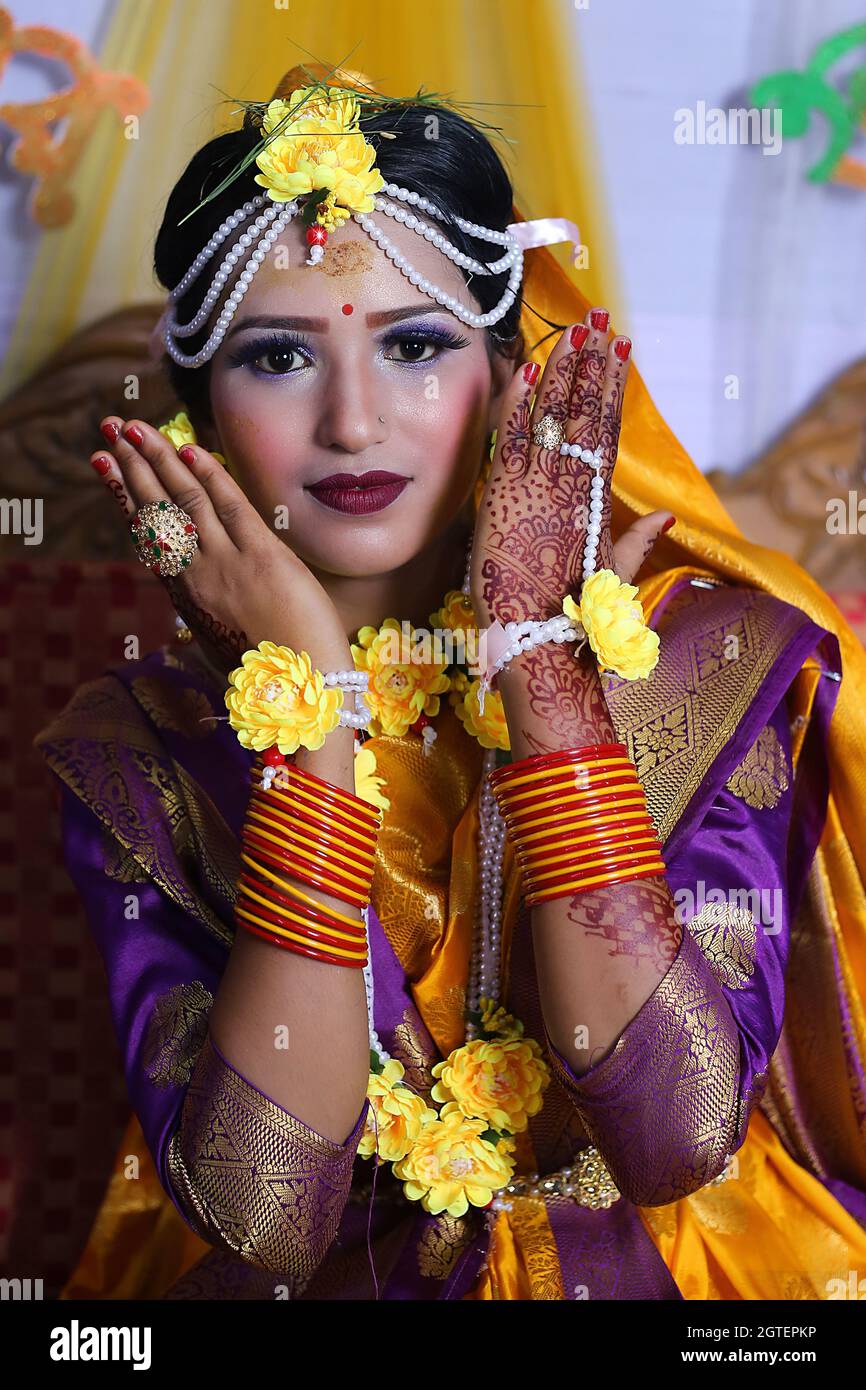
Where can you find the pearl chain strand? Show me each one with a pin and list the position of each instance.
(276, 217)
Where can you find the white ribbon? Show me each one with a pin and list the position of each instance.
(545, 231)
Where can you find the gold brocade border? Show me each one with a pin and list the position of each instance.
(677, 722)
(82, 745)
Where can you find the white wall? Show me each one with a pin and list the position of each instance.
(730, 261)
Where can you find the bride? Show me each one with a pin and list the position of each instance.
(474, 954)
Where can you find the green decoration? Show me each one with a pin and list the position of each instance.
(797, 94)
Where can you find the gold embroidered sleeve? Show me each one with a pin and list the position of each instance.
(251, 1178)
(663, 1106)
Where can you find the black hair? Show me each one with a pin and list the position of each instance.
(435, 152)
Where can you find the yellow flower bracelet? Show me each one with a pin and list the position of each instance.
(278, 699)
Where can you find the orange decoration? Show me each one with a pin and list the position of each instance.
(39, 151)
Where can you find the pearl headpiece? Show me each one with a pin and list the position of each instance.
(322, 154)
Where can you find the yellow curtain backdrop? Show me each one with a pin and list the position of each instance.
(522, 59)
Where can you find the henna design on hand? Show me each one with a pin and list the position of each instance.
(553, 701)
(115, 487)
(636, 918)
(227, 643)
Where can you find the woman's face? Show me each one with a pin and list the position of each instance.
(312, 360)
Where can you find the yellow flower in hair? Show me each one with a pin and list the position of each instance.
(615, 625)
(320, 147)
(336, 110)
(450, 1166)
(278, 697)
(367, 784)
(498, 1080)
(490, 728)
(179, 429)
(398, 690)
(396, 1115)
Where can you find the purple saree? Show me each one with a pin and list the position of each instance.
(153, 787)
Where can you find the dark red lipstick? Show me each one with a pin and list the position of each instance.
(358, 493)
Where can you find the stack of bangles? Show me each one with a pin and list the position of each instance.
(577, 820)
(302, 827)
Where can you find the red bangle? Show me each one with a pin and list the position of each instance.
(308, 876)
(323, 861)
(305, 868)
(537, 760)
(312, 838)
(317, 804)
(330, 791)
(297, 813)
(578, 818)
(608, 851)
(540, 878)
(540, 897)
(300, 950)
(567, 786)
(314, 933)
(555, 838)
(317, 915)
(604, 825)
(632, 796)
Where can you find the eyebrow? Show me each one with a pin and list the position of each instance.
(377, 320)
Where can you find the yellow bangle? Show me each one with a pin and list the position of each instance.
(612, 877)
(611, 765)
(555, 813)
(584, 839)
(295, 891)
(294, 916)
(299, 791)
(640, 842)
(295, 836)
(624, 816)
(568, 785)
(316, 864)
(304, 940)
(640, 855)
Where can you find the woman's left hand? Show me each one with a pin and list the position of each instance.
(530, 533)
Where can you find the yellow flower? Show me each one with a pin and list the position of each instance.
(367, 784)
(320, 147)
(498, 1080)
(179, 429)
(278, 697)
(337, 109)
(398, 691)
(490, 728)
(450, 1165)
(399, 1115)
(615, 625)
(495, 1019)
(456, 613)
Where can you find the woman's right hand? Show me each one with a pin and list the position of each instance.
(244, 584)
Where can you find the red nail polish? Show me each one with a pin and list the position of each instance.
(579, 335)
(600, 318)
(111, 430)
(134, 435)
(102, 464)
(530, 373)
(622, 348)
(186, 453)
(669, 523)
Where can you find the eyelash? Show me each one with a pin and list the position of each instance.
(251, 352)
